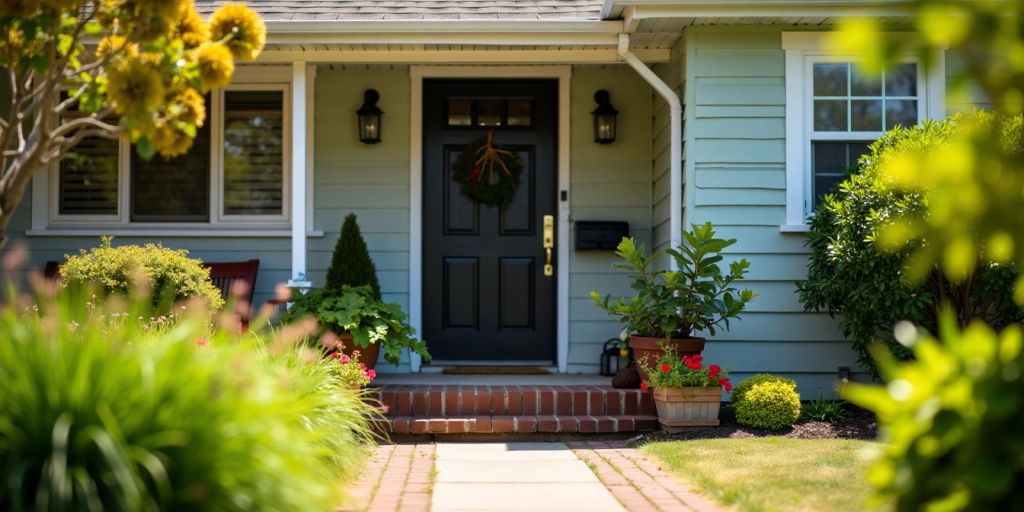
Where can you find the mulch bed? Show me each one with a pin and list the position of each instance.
(858, 424)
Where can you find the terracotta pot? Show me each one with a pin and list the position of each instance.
(650, 348)
(367, 355)
(687, 407)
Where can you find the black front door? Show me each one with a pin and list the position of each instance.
(485, 293)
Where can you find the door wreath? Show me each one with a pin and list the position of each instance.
(488, 174)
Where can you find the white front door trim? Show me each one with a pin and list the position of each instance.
(417, 74)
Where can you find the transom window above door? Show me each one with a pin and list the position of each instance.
(234, 175)
(489, 112)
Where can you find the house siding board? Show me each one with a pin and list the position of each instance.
(609, 182)
(673, 73)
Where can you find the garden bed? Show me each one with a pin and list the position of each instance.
(858, 424)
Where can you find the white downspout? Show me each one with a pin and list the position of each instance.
(676, 146)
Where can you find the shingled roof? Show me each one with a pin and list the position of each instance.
(370, 10)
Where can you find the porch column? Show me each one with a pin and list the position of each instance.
(298, 169)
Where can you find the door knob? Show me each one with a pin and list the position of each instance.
(549, 243)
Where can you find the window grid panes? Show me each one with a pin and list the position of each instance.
(253, 153)
(489, 112)
(845, 100)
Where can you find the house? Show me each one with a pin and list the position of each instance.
(728, 111)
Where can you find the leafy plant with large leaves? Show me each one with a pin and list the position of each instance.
(867, 287)
(673, 304)
(355, 310)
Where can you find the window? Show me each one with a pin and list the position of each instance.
(234, 175)
(489, 112)
(834, 112)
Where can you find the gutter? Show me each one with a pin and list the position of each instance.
(676, 141)
(442, 26)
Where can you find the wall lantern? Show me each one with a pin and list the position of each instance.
(604, 118)
(369, 117)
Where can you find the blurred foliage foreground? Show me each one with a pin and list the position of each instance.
(105, 407)
(951, 419)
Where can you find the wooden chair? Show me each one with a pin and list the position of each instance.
(52, 270)
(225, 274)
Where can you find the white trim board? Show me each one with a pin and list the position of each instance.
(416, 76)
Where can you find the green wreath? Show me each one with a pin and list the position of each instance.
(487, 174)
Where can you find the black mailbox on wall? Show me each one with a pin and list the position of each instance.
(600, 235)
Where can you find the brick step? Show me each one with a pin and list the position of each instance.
(522, 424)
(468, 401)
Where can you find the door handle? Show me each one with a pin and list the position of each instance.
(549, 243)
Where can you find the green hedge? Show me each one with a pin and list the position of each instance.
(770, 405)
(172, 276)
(849, 277)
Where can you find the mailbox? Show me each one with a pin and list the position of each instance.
(602, 235)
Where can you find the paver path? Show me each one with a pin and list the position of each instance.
(587, 476)
(516, 476)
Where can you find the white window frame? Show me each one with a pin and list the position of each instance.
(803, 50)
(46, 194)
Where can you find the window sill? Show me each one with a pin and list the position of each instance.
(794, 228)
(169, 233)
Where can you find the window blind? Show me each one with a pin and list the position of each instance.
(253, 153)
(88, 178)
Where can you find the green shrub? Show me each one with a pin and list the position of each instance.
(820, 409)
(740, 390)
(950, 421)
(769, 405)
(351, 264)
(102, 412)
(868, 288)
(172, 275)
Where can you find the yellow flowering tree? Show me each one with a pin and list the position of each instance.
(110, 68)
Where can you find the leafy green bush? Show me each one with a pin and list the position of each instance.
(869, 288)
(769, 405)
(355, 311)
(172, 276)
(820, 409)
(351, 264)
(102, 412)
(950, 421)
(741, 389)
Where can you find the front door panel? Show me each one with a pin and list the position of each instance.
(485, 295)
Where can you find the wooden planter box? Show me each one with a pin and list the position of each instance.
(650, 348)
(687, 407)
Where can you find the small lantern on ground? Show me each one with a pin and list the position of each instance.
(604, 118)
(369, 117)
(614, 357)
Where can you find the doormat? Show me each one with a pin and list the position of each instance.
(495, 370)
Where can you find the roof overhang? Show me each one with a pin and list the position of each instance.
(649, 9)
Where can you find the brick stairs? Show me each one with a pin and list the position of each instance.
(515, 409)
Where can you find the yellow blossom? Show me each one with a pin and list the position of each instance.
(170, 142)
(215, 66)
(113, 44)
(134, 87)
(242, 29)
(192, 107)
(190, 27)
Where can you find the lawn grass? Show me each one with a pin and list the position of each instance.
(772, 474)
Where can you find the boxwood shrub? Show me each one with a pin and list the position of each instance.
(172, 275)
(771, 405)
(740, 391)
(848, 276)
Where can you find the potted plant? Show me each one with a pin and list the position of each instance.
(350, 305)
(670, 306)
(354, 373)
(360, 321)
(686, 393)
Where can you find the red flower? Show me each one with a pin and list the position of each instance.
(665, 368)
(345, 359)
(201, 342)
(643, 386)
(715, 368)
(371, 374)
(724, 382)
(336, 355)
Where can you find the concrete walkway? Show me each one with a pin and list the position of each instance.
(516, 476)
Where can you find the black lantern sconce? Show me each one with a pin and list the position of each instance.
(614, 357)
(604, 118)
(369, 117)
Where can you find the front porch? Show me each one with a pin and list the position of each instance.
(431, 404)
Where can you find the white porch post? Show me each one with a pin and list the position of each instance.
(298, 170)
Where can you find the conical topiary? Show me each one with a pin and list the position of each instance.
(351, 264)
